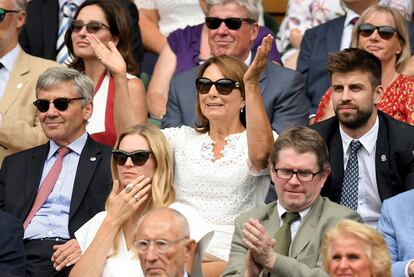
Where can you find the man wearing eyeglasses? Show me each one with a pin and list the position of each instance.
(283, 238)
(232, 29)
(57, 187)
(19, 125)
(163, 243)
(371, 153)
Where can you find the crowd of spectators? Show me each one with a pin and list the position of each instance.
(185, 138)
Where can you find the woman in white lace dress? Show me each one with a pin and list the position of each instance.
(221, 166)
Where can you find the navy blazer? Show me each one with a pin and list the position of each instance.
(39, 35)
(282, 92)
(12, 255)
(316, 45)
(394, 157)
(20, 176)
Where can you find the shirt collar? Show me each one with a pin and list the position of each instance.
(248, 61)
(9, 59)
(368, 140)
(350, 14)
(76, 146)
(281, 210)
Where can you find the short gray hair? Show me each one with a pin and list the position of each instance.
(249, 5)
(56, 76)
(20, 4)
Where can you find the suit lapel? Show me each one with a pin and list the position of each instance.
(272, 223)
(33, 176)
(88, 161)
(334, 35)
(307, 227)
(382, 156)
(17, 81)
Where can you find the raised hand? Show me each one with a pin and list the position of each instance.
(108, 55)
(253, 73)
(121, 206)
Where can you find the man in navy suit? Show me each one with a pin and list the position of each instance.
(326, 38)
(385, 159)
(397, 226)
(79, 189)
(12, 257)
(282, 88)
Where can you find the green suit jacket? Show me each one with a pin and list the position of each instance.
(304, 254)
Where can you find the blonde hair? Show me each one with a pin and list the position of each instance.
(373, 242)
(162, 189)
(402, 33)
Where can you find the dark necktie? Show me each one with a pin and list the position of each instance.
(283, 236)
(354, 20)
(349, 195)
(47, 185)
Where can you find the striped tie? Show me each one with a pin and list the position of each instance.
(68, 10)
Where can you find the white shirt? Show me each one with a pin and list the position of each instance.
(347, 33)
(8, 62)
(369, 201)
(294, 227)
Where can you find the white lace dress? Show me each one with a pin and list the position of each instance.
(219, 190)
(174, 14)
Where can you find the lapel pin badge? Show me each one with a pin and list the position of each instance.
(92, 159)
(383, 158)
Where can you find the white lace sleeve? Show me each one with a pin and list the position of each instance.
(146, 4)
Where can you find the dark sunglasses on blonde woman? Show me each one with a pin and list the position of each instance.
(223, 86)
(138, 157)
(385, 32)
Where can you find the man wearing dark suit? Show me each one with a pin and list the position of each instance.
(79, 188)
(385, 159)
(282, 89)
(326, 38)
(39, 35)
(12, 257)
(299, 166)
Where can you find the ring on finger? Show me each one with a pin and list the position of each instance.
(99, 57)
(136, 196)
(129, 187)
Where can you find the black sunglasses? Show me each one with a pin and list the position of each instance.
(3, 13)
(91, 27)
(61, 104)
(233, 23)
(385, 32)
(223, 86)
(138, 157)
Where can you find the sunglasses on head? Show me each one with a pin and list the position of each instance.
(91, 27)
(233, 23)
(61, 104)
(385, 32)
(138, 157)
(3, 13)
(223, 86)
